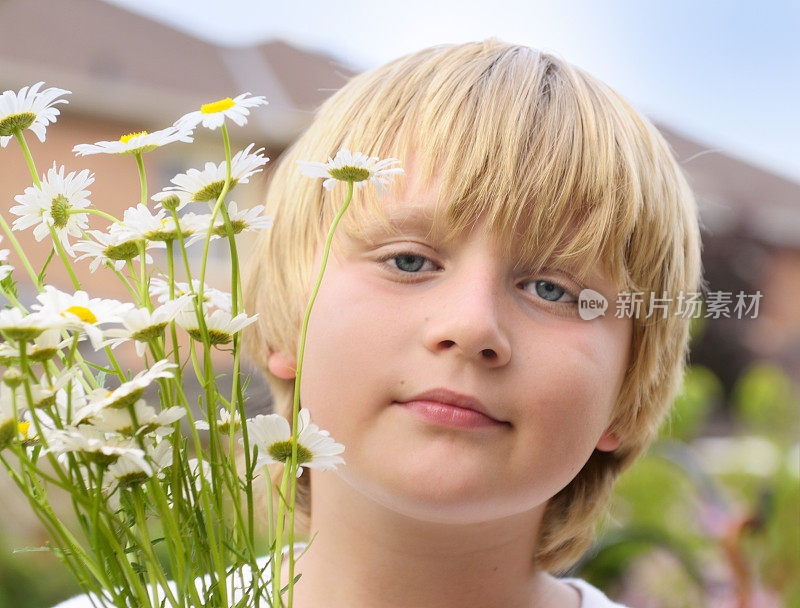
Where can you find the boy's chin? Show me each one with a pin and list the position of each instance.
(447, 498)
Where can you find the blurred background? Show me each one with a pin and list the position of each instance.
(711, 516)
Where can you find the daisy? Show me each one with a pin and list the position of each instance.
(128, 393)
(5, 268)
(126, 474)
(83, 313)
(44, 347)
(140, 223)
(55, 204)
(356, 168)
(47, 345)
(143, 325)
(223, 422)
(219, 324)
(206, 185)
(159, 289)
(119, 420)
(48, 391)
(136, 143)
(213, 115)
(100, 447)
(28, 109)
(273, 438)
(246, 220)
(115, 247)
(18, 325)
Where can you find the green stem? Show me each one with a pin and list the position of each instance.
(54, 528)
(154, 570)
(220, 200)
(96, 212)
(143, 276)
(131, 289)
(277, 556)
(296, 403)
(35, 176)
(113, 360)
(20, 253)
(64, 258)
(142, 178)
(28, 158)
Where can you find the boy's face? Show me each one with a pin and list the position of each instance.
(407, 313)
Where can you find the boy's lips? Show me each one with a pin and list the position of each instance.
(447, 397)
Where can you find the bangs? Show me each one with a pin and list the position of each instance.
(523, 140)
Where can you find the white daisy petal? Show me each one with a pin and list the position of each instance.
(219, 324)
(115, 247)
(223, 422)
(119, 420)
(136, 143)
(272, 436)
(140, 223)
(143, 325)
(159, 289)
(96, 445)
(128, 393)
(213, 115)
(17, 325)
(246, 220)
(54, 204)
(83, 313)
(206, 185)
(5, 268)
(28, 109)
(357, 168)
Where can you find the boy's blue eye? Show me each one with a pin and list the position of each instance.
(408, 262)
(549, 291)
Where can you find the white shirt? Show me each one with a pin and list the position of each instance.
(591, 597)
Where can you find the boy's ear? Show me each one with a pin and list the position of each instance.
(281, 366)
(608, 442)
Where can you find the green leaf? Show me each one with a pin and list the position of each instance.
(765, 401)
(702, 391)
(40, 278)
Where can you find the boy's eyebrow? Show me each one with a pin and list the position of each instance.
(409, 218)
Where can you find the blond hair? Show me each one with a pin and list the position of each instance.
(542, 150)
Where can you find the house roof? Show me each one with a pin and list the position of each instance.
(125, 66)
(734, 195)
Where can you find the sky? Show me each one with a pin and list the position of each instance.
(725, 73)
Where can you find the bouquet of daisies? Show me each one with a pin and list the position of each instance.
(162, 492)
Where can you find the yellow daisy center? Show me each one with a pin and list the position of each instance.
(83, 313)
(217, 106)
(126, 138)
(23, 427)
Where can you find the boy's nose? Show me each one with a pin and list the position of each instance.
(467, 323)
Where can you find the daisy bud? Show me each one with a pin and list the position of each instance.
(13, 377)
(171, 202)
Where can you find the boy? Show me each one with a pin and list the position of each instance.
(484, 420)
